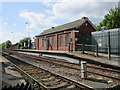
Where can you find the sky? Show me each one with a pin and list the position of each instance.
(20, 19)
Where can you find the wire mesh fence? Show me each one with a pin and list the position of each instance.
(108, 42)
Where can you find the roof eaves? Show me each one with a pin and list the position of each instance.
(55, 32)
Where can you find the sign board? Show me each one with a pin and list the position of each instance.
(75, 31)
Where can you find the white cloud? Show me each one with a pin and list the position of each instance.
(6, 36)
(37, 21)
(57, 0)
(13, 37)
(5, 23)
(67, 10)
(50, 2)
(15, 24)
(75, 9)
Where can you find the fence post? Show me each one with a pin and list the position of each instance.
(83, 48)
(96, 50)
(83, 70)
(109, 57)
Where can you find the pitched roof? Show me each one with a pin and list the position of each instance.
(67, 26)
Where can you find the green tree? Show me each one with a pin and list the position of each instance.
(24, 43)
(19, 46)
(8, 43)
(3, 45)
(111, 20)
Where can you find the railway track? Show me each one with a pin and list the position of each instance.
(94, 72)
(44, 79)
(73, 65)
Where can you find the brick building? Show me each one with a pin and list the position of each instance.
(58, 38)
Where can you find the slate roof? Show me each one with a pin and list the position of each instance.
(67, 26)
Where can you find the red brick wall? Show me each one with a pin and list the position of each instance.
(57, 42)
(63, 47)
(85, 29)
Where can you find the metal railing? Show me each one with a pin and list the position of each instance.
(87, 48)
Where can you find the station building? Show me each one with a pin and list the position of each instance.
(58, 38)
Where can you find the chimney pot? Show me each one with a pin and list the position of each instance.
(52, 27)
(84, 18)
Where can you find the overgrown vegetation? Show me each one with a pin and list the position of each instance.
(27, 79)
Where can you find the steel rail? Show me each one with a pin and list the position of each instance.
(52, 61)
(23, 72)
(94, 67)
(62, 63)
(118, 79)
(100, 68)
(81, 85)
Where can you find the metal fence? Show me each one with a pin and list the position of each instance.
(107, 38)
(106, 42)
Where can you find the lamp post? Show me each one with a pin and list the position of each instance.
(28, 29)
(28, 33)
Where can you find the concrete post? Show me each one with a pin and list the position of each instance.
(83, 70)
(40, 54)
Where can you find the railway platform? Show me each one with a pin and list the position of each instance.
(8, 74)
(77, 55)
